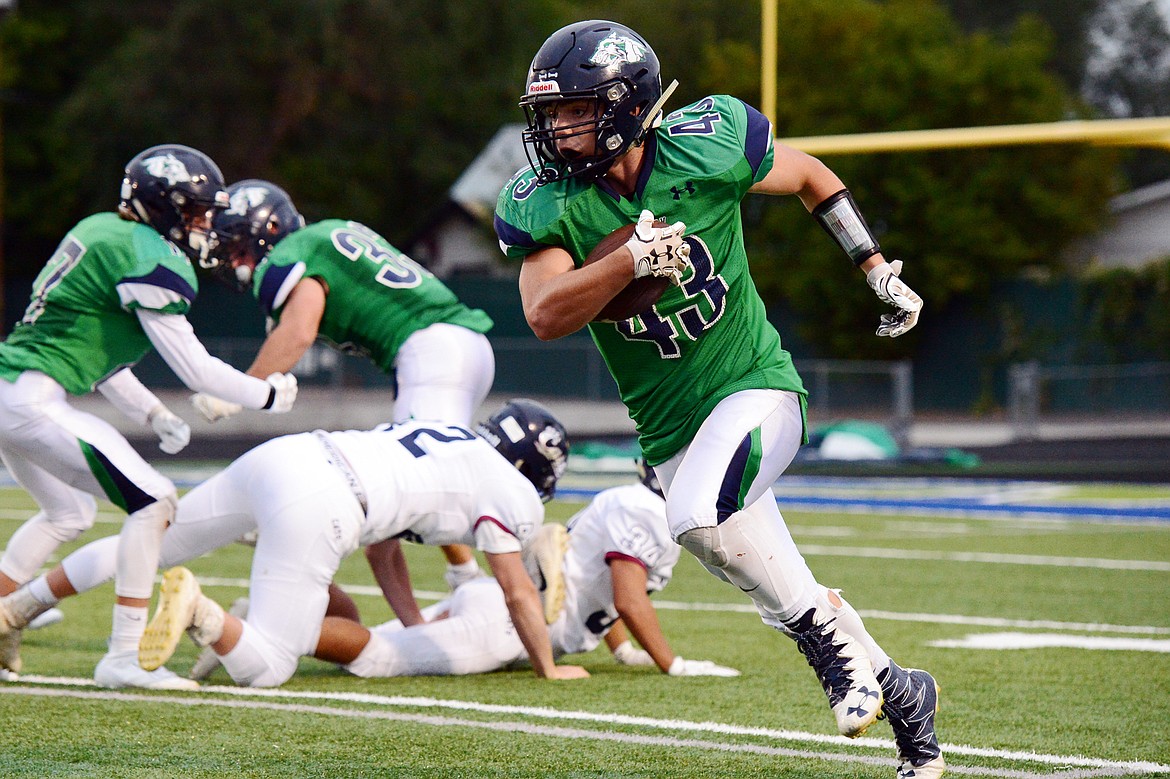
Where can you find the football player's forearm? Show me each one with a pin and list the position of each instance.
(129, 395)
(558, 304)
(642, 622)
(283, 348)
(388, 564)
(175, 341)
(616, 635)
(528, 619)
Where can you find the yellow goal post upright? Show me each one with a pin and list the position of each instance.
(1152, 132)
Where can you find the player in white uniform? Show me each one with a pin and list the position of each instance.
(619, 550)
(117, 286)
(315, 498)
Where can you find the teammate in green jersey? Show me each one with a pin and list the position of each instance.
(343, 283)
(718, 404)
(117, 286)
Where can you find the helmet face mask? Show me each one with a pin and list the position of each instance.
(259, 215)
(176, 190)
(596, 60)
(530, 437)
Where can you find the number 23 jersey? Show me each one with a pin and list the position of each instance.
(377, 295)
(708, 338)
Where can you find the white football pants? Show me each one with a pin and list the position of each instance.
(724, 479)
(476, 637)
(443, 372)
(64, 458)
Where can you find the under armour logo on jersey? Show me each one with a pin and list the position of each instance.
(689, 188)
(167, 166)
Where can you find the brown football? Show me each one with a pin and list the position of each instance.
(639, 294)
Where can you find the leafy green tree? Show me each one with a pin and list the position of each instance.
(365, 109)
(1069, 20)
(369, 109)
(961, 219)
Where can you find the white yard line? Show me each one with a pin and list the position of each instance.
(1004, 641)
(994, 558)
(748, 608)
(1084, 768)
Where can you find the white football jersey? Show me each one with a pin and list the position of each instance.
(627, 522)
(433, 483)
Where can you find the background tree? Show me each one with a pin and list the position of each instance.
(1070, 21)
(1128, 73)
(962, 219)
(369, 109)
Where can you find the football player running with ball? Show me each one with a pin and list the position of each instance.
(719, 407)
(342, 282)
(117, 286)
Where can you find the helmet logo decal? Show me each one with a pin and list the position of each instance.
(246, 198)
(167, 166)
(550, 443)
(616, 49)
(548, 87)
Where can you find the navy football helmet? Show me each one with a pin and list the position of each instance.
(595, 60)
(170, 188)
(258, 216)
(530, 437)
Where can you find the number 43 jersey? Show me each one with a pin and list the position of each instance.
(627, 523)
(377, 295)
(708, 338)
(439, 484)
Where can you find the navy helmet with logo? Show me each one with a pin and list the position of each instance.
(258, 216)
(176, 190)
(530, 437)
(594, 60)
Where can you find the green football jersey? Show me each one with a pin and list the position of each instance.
(708, 338)
(80, 325)
(377, 296)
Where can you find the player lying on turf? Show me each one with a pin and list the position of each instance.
(314, 498)
(615, 552)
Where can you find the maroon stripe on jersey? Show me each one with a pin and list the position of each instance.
(495, 522)
(611, 556)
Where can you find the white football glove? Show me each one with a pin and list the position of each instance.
(659, 251)
(627, 654)
(681, 667)
(285, 392)
(212, 408)
(883, 278)
(173, 433)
